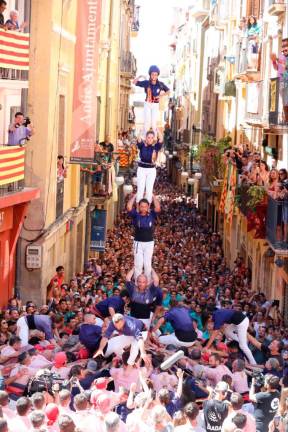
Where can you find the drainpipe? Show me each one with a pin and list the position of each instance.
(107, 112)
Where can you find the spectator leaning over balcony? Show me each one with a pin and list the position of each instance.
(3, 5)
(20, 130)
(281, 65)
(253, 32)
(13, 24)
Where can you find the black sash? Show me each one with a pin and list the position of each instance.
(31, 322)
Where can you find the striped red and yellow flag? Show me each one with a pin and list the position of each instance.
(14, 50)
(11, 164)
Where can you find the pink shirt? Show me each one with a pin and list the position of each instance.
(8, 413)
(250, 424)
(19, 423)
(215, 374)
(124, 377)
(240, 382)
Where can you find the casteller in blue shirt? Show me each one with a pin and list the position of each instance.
(227, 316)
(115, 302)
(182, 323)
(146, 152)
(152, 90)
(132, 327)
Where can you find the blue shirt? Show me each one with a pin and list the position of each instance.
(227, 316)
(90, 336)
(179, 318)
(143, 303)
(19, 135)
(153, 89)
(143, 225)
(115, 302)
(146, 151)
(132, 327)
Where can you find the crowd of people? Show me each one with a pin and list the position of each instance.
(92, 357)
(253, 171)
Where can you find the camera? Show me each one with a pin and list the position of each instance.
(259, 378)
(285, 184)
(46, 381)
(27, 121)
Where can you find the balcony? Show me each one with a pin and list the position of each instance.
(277, 118)
(59, 198)
(254, 103)
(14, 59)
(276, 7)
(12, 160)
(247, 67)
(201, 8)
(277, 224)
(128, 64)
(252, 203)
(135, 21)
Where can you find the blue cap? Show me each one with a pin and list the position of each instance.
(154, 68)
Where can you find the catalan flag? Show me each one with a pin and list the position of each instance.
(14, 50)
(11, 164)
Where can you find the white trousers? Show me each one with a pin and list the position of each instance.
(171, 339)
(23, 330)
(143, 253)
(117, 344)
(151, 114)
(145, 182)
(239, 333)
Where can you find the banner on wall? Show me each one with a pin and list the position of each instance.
(98, 230)
(85, 81)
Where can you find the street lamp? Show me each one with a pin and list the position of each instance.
(191, 181)
(119, 180)
(127, 189)
(184, 174)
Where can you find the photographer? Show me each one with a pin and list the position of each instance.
(215, 410)
(20, 130)
(266, 402)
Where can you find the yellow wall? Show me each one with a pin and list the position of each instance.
(52, 45)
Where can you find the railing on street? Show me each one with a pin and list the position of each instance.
(128, 63)
(277, 223)
(277, 115)
(11, 169)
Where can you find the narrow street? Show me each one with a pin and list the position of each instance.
(143, 216)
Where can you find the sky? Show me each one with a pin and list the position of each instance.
(152, 43)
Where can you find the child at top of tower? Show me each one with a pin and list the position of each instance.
(153, 89)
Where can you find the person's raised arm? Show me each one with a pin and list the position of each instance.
(157, 326)
(136, 80)
(254, 341)
(130, 203)
(155, 278)
(129, 275)
(102, 345)
(252, 391)
(157, 205)
(160, 138)
(179, 374)
(212, 338)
